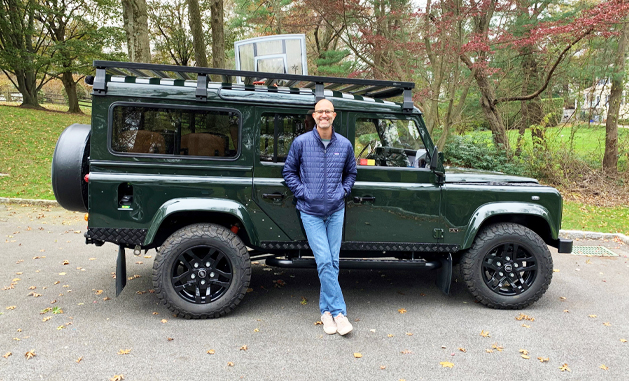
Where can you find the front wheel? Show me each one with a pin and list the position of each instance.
(509, 266)
(201, 271)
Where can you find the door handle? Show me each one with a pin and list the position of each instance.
(273, 196)
(364, 198)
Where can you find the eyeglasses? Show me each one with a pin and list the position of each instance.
(326, 112)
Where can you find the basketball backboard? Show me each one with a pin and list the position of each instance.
(284, 53)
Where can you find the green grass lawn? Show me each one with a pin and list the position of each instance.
(30, 137)
(27, 145)
(577, 216)
(586, 141)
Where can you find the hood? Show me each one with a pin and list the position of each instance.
(465, 175)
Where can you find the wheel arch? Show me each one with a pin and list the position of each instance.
(177, 213)
(532, 216)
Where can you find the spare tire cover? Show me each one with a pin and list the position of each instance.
(69, 166)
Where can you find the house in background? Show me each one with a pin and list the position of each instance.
(594, 102)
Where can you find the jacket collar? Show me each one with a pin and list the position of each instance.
(318, 137)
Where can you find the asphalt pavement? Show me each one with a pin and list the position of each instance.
(58, 303)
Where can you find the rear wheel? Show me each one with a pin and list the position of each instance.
(202, 271)
(509, 267)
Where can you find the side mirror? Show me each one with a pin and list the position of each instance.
(434, 161)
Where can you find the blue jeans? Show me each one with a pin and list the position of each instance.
(324, 237)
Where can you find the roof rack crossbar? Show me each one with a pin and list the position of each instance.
(137, 73)
(379, 89)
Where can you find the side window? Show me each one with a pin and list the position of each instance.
(277, 132)
(389, 143)
(174, 131)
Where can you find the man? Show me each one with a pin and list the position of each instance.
(320, 170)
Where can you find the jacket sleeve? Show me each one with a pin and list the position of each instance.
(349, 171)
(291, 171)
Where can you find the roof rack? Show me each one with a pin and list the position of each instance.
(376, 89)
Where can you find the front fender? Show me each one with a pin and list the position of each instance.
(511, 208)
(216, 205)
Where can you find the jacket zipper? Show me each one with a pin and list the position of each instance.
(325, 176)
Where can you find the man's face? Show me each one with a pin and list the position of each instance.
(324, 114)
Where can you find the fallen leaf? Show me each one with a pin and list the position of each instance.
(562, 298)
(117, 377)
(155, 313)
(47, 318)
(210, 352)
(543, 359)
(484, 334)
(497, 347)
(32, 288)
(59, 328)
(564, 368)
(230, 364)
(607, 324)
(258, 329)
(30, 354)
(524, 317)
(524, 351)
(463, 350)
(164, 321)
(603, 367)
(106, 298)
(526, 325)
(124, 351)
(555, 270)
(623, 340)
(250, 289)
(170, 339)
(11, 307)
(389, 335)
(318, 322)
(382, 367)
(489, 350)
(409, 333)
(244, 348)
(372, 330)
(592, 316)
(98, 292)
(6, 355)
(66, 262)
(357, 355)
(526, 357)
(566, 311)
(79, 359)
(304, 301)
(446, 364)
(401, 310)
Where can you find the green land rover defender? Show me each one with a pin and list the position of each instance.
(188, 161)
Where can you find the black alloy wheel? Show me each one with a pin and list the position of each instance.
(201, 274)
(508, 266)
(201, 271)
(509, 269)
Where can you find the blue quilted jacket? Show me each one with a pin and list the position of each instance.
(320, 178)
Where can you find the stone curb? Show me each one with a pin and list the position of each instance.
(578, 234)
(5, 200)
(567, 234)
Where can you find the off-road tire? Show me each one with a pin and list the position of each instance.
(200, 235)
(473, 268)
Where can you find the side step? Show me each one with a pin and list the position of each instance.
(358, 264)
(444, 278)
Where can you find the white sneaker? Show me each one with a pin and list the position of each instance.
(329, 325)
(343, 326)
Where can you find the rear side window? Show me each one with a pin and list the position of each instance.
(175, 131)
(277, 132)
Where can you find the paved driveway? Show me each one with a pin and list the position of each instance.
(581, 321)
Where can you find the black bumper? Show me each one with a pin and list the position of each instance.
(563, 245)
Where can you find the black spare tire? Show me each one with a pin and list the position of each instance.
(69, 167)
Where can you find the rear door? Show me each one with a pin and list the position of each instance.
(396, 197)
(278, 128)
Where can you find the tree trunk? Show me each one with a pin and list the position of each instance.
(70, 87)
(27, 86)
(610, 158)
(196, 27)
(218, 35)
(488, 105)
(135, 18)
